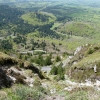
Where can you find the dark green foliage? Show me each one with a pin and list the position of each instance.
(11, 17)
(53, 44)
(59, 71)
(21, 64)
(11, 21)
(48, 60)
(41, 61)
(60, 43)
(63, 13)
(58, 59)
(41, 17)
(36, 44)
(6, 44)
(25, 57)
(19, 39)
(53, 70)
(46, 31)
(20, 56)
(90, 51)
(60, 77)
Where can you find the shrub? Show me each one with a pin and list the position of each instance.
(53, 70)
(59, 71)
(90, 51)
(58, 59)
(22, 92)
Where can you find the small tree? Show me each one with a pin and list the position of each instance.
(53, 70)
(58, 59)
(59, 71)
(48, 61)
(6, 44)
(20, 56)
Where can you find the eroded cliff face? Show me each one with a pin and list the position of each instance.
(85, 63)
(17, 71)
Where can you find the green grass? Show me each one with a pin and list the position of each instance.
(32, 18)
(56, 24)
(79, 29)
(68, 44)
(88, 61)
(22, 92)
(84, 24)
(89, 94)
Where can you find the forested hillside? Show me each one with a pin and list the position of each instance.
(10, 21)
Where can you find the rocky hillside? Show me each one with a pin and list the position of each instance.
(85, 64)
(17, 71)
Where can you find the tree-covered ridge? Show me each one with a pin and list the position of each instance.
(63, 12)
(10, 20)
(38, 18)
(9, 15)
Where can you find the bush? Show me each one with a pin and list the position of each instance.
(22, 92)
(58, 59)
(53, 70)
(6, 44)
(59, 77)
(39, 60)
(59, 71)
(90, 51)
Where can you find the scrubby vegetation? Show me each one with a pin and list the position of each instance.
(59, 71)
(21, 92)
(85, 60)
(45, 34)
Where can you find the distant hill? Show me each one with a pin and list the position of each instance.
(9, 1)
(86, 2)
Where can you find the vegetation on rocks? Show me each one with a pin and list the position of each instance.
(59, 72)
(20, 92)
(85, 60)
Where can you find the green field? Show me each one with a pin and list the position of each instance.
(71, 25)
(40, 18)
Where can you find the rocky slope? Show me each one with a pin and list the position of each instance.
(17, 71)
(85, 63)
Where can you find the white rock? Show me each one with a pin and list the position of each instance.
(95, 68)
(77, 50)
(68, 88)
(44, 85)
(52, 91)
(31, 85)
(86, 44)
(13, 78)
(70, 57)
(74, 63)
